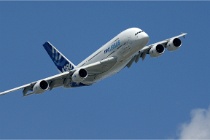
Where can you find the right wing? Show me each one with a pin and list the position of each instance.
(158, 48)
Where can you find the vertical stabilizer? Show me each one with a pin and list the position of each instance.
(61, 62)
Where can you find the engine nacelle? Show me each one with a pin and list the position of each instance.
(79, 75)
(173, 44)
(157, 50)
(40, 86)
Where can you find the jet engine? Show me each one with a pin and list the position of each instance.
(156, 50)
(40, 86)
(173, 44)
(79, 75)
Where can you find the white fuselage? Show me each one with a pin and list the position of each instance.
(121, 51)
(123, 46)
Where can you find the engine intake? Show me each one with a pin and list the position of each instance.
(173, 44)
(82, 73)
(79, 75)
(157, 50)
(40, 86)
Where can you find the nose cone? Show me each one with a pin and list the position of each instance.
(145, 38)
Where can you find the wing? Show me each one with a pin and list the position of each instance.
(100, 66)
(158, 48)
(63, 79)
(53, 81)
(86, 75)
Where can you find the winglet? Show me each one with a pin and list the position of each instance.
(183, 34)
(61, 62)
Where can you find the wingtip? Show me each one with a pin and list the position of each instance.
(183, 34)
(3, 93)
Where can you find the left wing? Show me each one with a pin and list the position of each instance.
(66, 79)
(43, 85)
(100, 66)
(158, 48)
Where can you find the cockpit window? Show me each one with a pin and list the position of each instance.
(138, 32)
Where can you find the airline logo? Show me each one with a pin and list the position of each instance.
(61, 63)
(115, 45)
(67, 67)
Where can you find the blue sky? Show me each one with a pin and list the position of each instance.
(164, 97)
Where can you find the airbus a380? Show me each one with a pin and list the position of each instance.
(128, 46)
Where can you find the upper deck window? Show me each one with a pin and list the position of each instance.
(138, 32)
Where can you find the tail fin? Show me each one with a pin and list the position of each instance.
(61, 62)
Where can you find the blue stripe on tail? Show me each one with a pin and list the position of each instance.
(61, 62)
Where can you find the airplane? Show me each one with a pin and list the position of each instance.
(118, 53)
